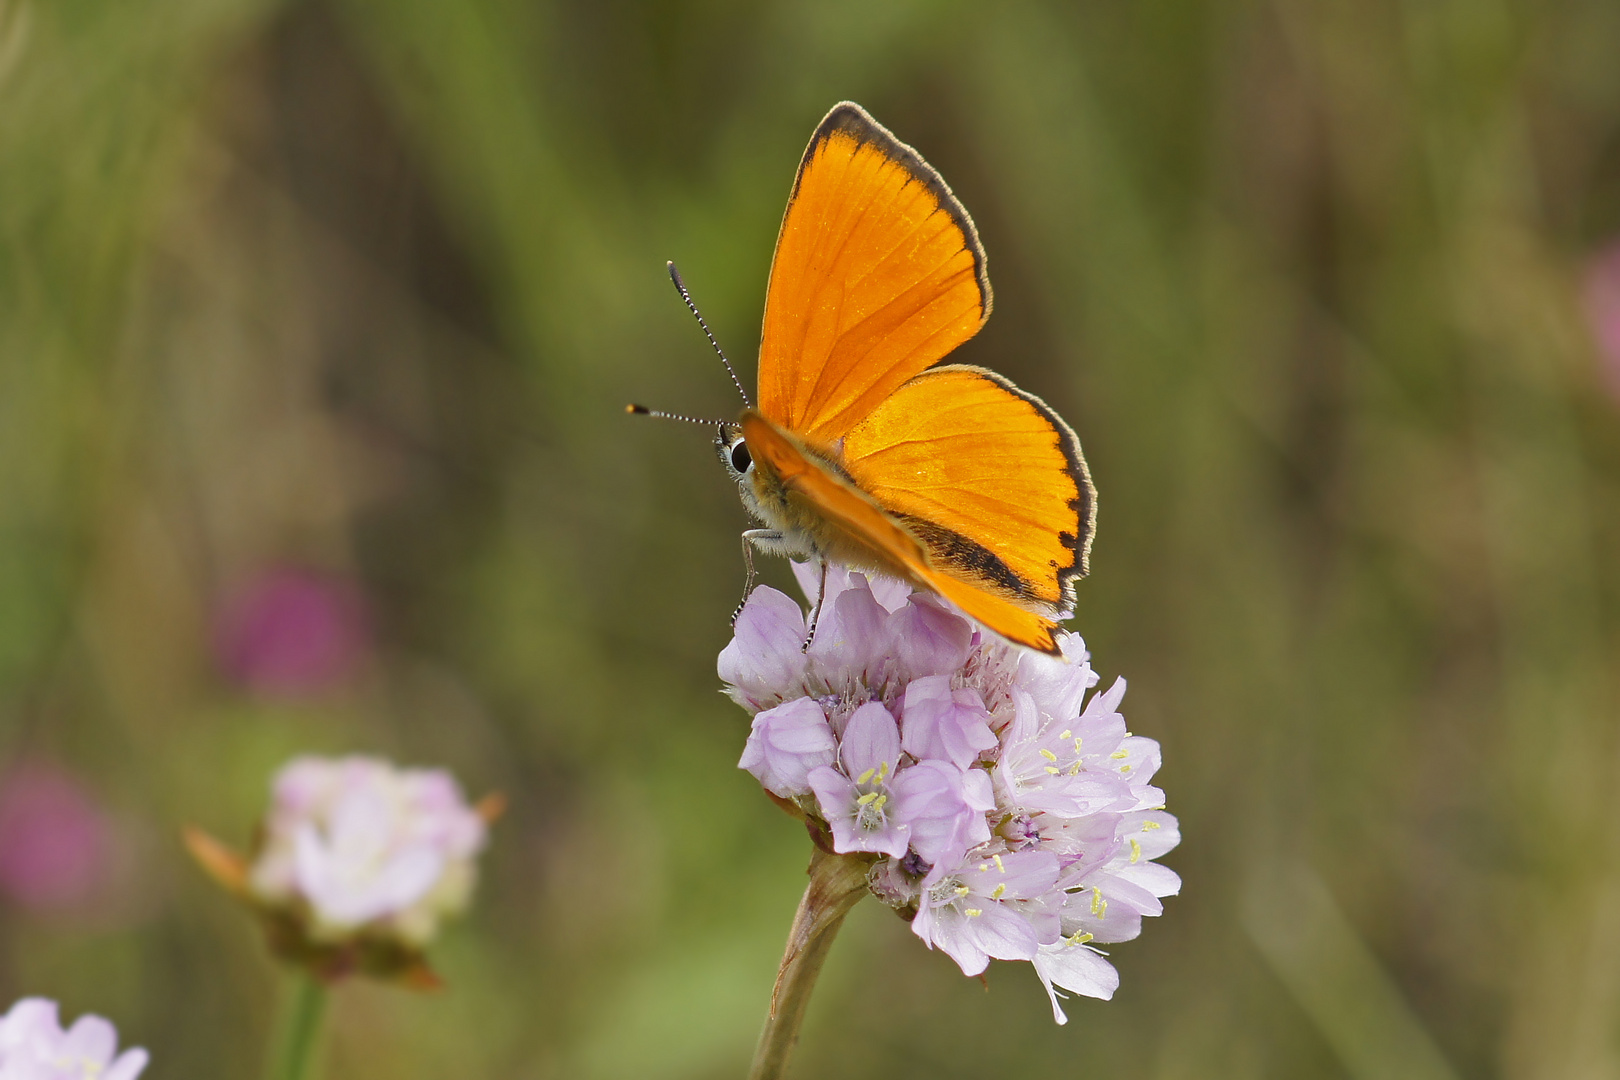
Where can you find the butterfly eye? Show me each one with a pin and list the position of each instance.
(740, 459)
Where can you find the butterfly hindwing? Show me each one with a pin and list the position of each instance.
(878, 274)
(988, 477)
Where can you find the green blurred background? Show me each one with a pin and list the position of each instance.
(343, 299)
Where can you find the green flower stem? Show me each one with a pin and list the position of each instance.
(837, 882)
(297, 1048)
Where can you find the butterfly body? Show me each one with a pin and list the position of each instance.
(862, 451)
(788, 489)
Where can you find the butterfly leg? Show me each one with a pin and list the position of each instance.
(751, 538)
(815, 613)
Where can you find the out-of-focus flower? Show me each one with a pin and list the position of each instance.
(357, 862)
(292, 633)
(1003, 807)
(1601, 297)
(366, 845)
(33, 1046)
(54, 842)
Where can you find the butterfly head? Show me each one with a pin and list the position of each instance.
(732, 450)
(761, 492)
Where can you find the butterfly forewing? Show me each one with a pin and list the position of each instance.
(878, 274)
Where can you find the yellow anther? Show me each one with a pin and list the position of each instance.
(1048, 755)
(983, 867)
(1119, 754)
(1098, 904)
(864, 799)
(1077, 741)
(866, 777)
(1053, 769)
(999, 891)
(883, 770)
(1074, 770)
(1136, 849)
(1066, 733)
(877, 803)
(1080, 937)
(1124, 768)
(973, 912)
(961, 890)
(999, 865)
(1149, 826)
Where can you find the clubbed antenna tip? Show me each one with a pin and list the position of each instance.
(642, 410)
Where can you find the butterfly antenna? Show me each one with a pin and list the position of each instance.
(642, 410)
(675, 276)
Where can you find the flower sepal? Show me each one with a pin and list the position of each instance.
(376, 956)
(286, 928)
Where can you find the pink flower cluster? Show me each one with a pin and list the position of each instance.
(1012, 818)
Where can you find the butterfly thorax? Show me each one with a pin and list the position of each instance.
(802, 526)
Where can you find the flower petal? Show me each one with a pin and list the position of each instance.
(786, 743)
(871, 741)
(128, 1066)
(1075, 968)
(764, 661)
(90, 1039)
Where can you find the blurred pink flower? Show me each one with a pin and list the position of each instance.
(291, 633)
(364, 847)
(1601, 295)
(54, 842)
(33, 1046)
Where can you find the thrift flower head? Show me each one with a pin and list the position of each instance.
(364, 845)
(356, 863)
(1007, 811)
(33, 1046)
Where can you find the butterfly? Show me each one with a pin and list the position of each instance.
(862, 449)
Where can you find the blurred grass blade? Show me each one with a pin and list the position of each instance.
(1290, 914)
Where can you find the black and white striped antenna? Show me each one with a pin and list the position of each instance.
(642, 410)
(675, 276)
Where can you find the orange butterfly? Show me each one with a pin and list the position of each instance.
(862, 452)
